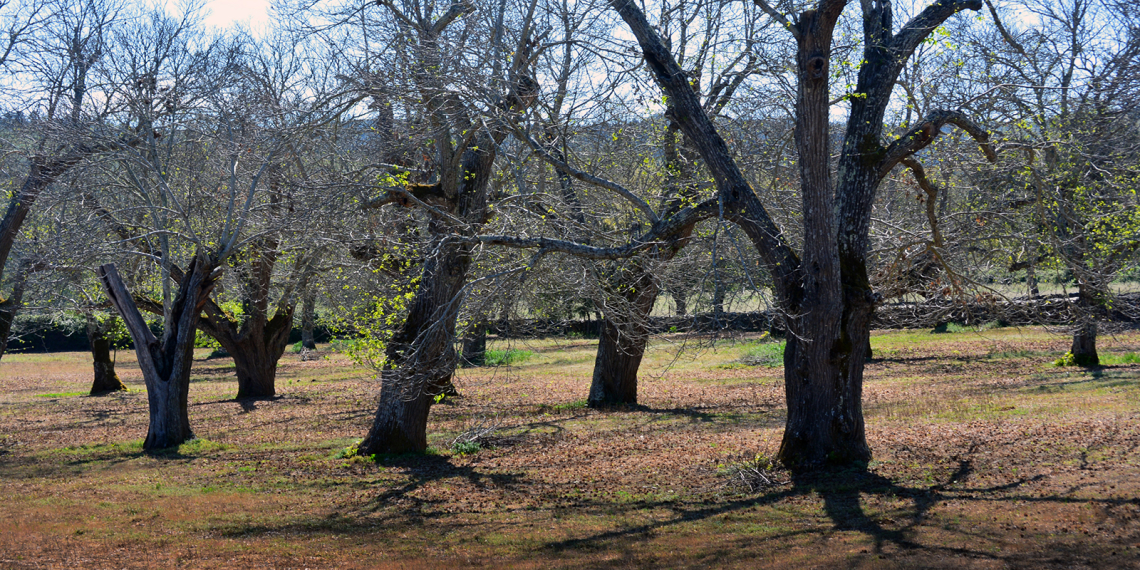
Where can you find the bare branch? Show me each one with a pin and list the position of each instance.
(562, 166)
(916, 30)
(926, 131)
(778, 16)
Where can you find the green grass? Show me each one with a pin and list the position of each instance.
(507, 357)
(571, 406)
(112, 449)
(1111, 359)
(62, 394)
(769, 354)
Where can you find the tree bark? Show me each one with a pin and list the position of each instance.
(106, 379)
(824, 294)
(620, 350)
(166, 363)
(421, 355)
(257, 341)
(256, 347)
(1084, 345)
(1090, 300)
(624, 336)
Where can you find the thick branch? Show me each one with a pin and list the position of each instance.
(656, 236)
(125, 304)
(931, 196)
(778, 16)
(688, 113)
(457, 9)
(916, 30)
(926, 131)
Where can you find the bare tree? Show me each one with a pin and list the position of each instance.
(56, 48)
(824, 290)
(1071, 86)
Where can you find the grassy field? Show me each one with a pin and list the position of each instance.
(986, 456)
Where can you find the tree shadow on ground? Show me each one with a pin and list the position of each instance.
(421, 470)
(843, 491)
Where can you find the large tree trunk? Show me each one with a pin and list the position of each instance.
(615, 367)
(256, 346)
(256, 357)
(400, 425)
(166, 364)
(106, 379)
(824, 293)
(823, 375)
(624, 335)
(1084, 336)
(421, 355)
(1084, 344)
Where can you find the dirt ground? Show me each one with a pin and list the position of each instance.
(986, 455)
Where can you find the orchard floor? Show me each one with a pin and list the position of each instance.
(986, 456)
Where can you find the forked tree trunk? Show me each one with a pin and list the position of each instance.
(824, 293)
(422, 354)
(106, 379)
(256, 346)
(166, 363)
(257, 341)
(621, 345)
(256, 357)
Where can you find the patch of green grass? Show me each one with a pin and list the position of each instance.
(1070, 359)
(1018, 354)
(1111, 359)
(62, 395)
(734, 365)
(200, 445)
(951, 328)
(763, 354)
(115, 448)
(507, 357)
(348, 451)
(571, 406)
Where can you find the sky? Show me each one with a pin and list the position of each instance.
(227, 12)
